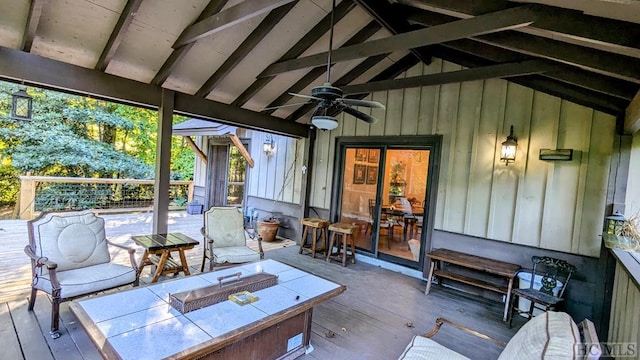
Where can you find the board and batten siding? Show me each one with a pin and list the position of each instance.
(556, 205)
(625, 309)
(277, 177)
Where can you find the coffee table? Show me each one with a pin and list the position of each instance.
(140, 324)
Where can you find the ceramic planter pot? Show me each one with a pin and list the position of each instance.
(267, 229)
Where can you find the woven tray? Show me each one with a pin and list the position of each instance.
(196, 299)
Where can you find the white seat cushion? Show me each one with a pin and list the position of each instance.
(88, 279)
(551, 335)
(422, 348)
(234, 254)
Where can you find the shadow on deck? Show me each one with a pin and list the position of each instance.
(374, 319)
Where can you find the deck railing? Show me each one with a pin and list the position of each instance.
(624, 327)
(44, 193)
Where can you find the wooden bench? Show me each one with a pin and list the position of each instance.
(497, 268)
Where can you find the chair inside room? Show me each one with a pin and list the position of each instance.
(384, 222)
(225, 241)
(555, 275)
(70, 258)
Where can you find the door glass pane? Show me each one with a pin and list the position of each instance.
(236, 177)
(403, 200)
(359, 189)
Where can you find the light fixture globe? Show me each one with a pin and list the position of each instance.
(324, 122)
(509, 148)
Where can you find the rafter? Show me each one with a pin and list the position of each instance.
(227, 18)
(247, 45)
(212, 8)
(555, 23)
(483, 24)
(33, 19)
(126, 17)
(296, 50)
(19, 66)
(479, 73)
(575, 76)
(362, 35)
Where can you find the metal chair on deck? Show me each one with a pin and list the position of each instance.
(224, 238)
(555, 275)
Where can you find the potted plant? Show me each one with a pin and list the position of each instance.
(622, 233)
(268, 228)
(396, 181)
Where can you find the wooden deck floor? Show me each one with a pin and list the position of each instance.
(374, 319)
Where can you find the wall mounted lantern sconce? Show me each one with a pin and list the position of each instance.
(268, 147)
(22, 105)
(509, 147)
(615, 223)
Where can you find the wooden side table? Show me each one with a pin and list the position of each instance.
(315, 224)
(158, 249)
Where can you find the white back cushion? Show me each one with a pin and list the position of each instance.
(225, 225)
(72, 240)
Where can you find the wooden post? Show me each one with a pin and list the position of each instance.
(27, 197)
(163, 162)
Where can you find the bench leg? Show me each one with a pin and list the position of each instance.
(183, 260)
(431, 269)
(507, 300)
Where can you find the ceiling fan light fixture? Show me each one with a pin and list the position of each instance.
(324, 122)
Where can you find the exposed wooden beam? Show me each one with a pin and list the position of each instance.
(617, 66)
(392, 17)
(214, 7)
(483, 24)
(227, 18)
(588, 80)
(481, 46)
(195, 148)
(241, 149)
(296, 50)
(126, 17)
(632, 116)
(362, 35)
(579, 95)
(33, 19)
(247, 45)
(555, 23)
(390, 72)
(479, 73)
(19, 66)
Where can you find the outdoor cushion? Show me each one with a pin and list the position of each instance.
(551, 335)
(88, 279)
(226, 230)
(422, 348)
(72, 240)
(235, 254)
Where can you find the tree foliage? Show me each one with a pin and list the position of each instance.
(81, 137)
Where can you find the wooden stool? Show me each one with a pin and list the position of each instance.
(346, 233)
(314, 224)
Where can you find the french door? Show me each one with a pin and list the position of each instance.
(386, 186)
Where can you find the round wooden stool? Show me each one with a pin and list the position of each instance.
(315, 224)
(346, 233)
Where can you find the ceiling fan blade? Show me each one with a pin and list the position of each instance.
(285, 105)
(360, 115)
(364, 103)
(305, 96)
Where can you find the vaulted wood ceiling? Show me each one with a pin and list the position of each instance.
(228, 60)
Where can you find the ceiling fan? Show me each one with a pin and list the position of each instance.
(329, 100)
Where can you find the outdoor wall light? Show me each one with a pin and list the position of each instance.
(509, 147)
(268, 147)
(615, 223)
(22, 105)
